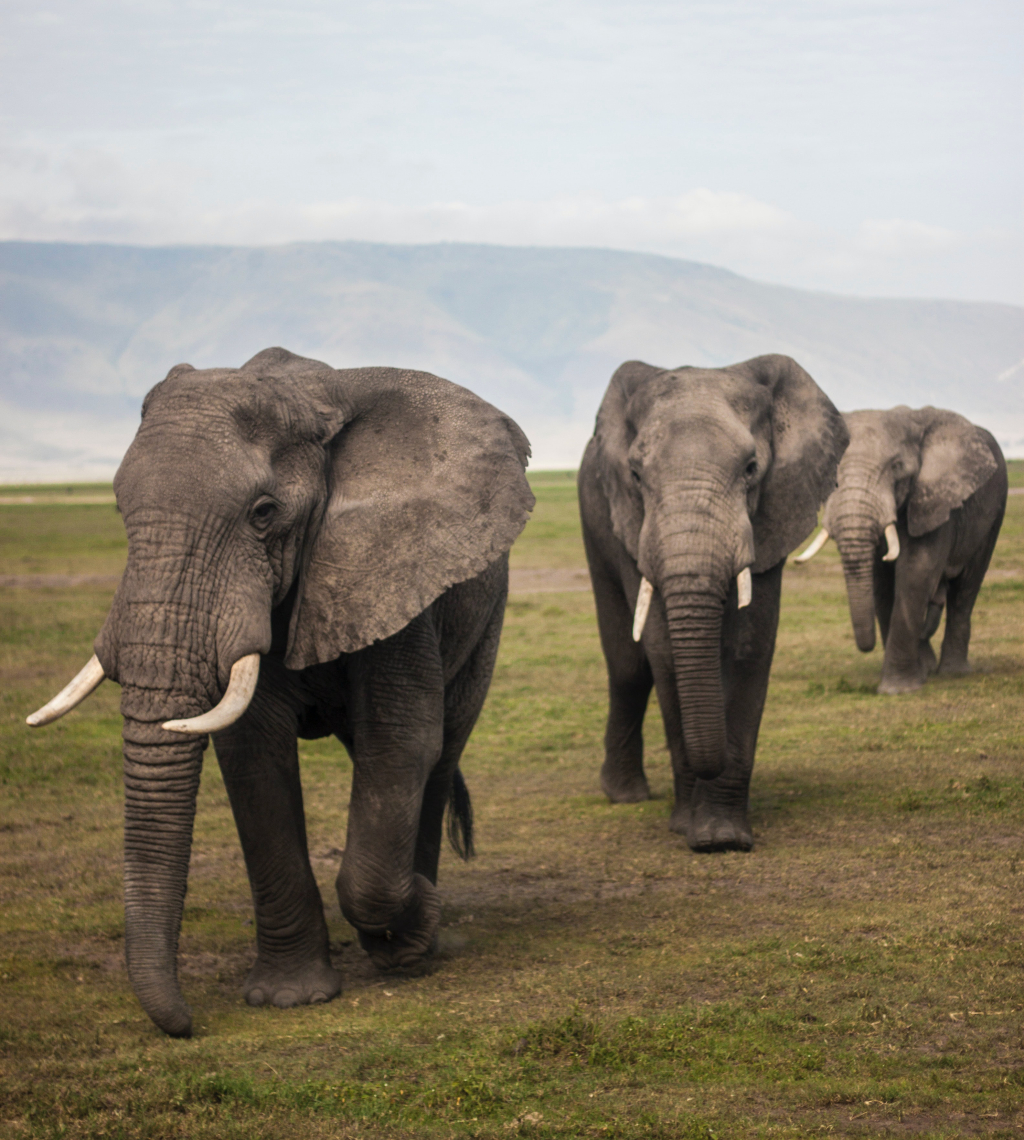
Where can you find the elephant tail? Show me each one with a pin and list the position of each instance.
(460, 817)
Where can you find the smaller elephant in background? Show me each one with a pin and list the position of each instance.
(915, 515)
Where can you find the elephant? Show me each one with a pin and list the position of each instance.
(695, 486)
(916, 516)
(310, 552)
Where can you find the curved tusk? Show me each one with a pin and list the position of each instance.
(744, 588)
(643, 605)
(241, 686)
(72, 694)
(893, 541)
(819, 541)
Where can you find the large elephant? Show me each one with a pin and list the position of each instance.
(310, 552)
(695, 486)
(916, 516)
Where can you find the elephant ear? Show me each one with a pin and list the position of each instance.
(956, 460)
(426, 487)
(613, 435)
(809, 437)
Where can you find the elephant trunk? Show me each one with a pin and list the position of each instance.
(161, 779)
(151, 644)
(856, 516)
(695, 636)
(858, 554)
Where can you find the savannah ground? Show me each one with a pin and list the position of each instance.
(860, 973)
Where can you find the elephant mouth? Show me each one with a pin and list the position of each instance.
(242, 685)
(744, 596)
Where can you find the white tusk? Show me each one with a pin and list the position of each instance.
(241, 686)
(819, 541)
(72, 694)
(744, 588)
(643, 604)
(893, 541)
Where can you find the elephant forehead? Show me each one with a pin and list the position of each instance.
(689, 393)
(179, 456)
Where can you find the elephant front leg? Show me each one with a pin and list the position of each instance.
(398, 733)
(259, 759)
(630, 681)
(908, 654)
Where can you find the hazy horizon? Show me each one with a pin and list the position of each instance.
(862, 147)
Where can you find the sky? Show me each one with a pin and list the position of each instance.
(856, 146)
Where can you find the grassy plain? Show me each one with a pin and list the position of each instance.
(860, 973)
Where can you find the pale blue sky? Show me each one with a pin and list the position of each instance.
(851, 145)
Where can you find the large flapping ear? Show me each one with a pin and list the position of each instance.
(426, 488)
(613, 434)
(957, 458)
(809, 437)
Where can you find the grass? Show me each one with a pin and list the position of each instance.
(858, 974)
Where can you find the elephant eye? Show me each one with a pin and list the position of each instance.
(751, 469)
(263, 512)
(636, 475)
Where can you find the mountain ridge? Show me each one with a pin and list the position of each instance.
(86, 329)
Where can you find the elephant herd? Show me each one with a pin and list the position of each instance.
(315, 552)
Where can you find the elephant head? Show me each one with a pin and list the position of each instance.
(711, 474)
(913, 466)
(280, 502)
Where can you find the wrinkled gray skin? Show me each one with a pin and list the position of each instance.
(942, 481)
(692, 475)
(352, 527)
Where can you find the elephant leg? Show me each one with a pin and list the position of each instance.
(396, 710)
(258, 756)
(629, 688)
(961, 594)
(918, 574)
(718, 815)
(929, 662)
(884, 581)
(463, 700)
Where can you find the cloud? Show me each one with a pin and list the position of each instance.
(88, 194)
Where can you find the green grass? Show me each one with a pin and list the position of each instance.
(857, 974)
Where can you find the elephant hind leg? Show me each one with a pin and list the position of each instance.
(464, 698)
(962, 593)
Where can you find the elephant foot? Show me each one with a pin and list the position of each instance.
(624, 787)
(929, 662)
(890, 686)
(955, 668)
(268, 984)
(409, 943)
(708, 828)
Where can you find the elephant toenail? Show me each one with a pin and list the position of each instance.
(256, 997)
(317, 997)
(285, 999)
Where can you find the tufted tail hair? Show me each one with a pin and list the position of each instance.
(460, 817)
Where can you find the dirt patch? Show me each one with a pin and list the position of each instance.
(547, 581)
(56, 581)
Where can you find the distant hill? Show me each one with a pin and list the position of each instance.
(86, 330)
